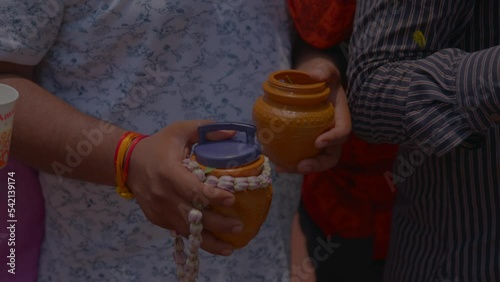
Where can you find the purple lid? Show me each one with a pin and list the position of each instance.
(226, 153)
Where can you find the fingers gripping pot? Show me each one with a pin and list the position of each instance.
(238, 167)
(293, 111)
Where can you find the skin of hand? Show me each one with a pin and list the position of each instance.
(322, 68)
(166, 191)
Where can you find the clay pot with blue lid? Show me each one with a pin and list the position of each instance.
(237, 166)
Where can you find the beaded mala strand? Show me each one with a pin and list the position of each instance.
(188, 267)
(229, 183)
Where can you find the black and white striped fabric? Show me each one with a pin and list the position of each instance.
(425, 74)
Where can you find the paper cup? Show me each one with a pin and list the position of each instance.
(8, 98)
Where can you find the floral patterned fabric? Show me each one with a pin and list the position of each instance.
(142, 65)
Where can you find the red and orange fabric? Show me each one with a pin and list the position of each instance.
(323, 23)
(353, 199)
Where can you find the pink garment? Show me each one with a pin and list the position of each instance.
(29, 228)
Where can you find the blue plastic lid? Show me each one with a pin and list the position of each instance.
(226, 153)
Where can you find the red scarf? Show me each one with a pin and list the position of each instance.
(323, 23)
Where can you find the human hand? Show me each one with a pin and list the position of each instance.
(166, 191)
(323, 69)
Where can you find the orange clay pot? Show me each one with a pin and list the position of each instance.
(291, 114)
(251, 205)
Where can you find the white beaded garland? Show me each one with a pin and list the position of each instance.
(188, 265)
(229, 183)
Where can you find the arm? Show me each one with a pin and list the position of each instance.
(405, 90)
(54, 137)
(45, 127)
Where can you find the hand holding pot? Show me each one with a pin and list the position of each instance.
(303, 117)
(330, 142)
(166, 191)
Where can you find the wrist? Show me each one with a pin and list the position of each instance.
(123, 154)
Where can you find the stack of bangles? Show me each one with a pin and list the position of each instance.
(123, 152)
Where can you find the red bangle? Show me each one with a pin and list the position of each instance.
(129, 155)
(121, 152)
(118, 145)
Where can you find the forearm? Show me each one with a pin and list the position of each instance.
(436, 102)
(379, 97)
(408, 85)
(478, 88)
(54, 137)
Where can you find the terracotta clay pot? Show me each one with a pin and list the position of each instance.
(291, 114)
(238, 160)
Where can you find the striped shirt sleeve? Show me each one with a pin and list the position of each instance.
(410, 84)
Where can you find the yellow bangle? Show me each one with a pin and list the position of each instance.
(120, 154)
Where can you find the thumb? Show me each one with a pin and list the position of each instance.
(320, 73)
(220, 135)
(326, 72)
(193, 125)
